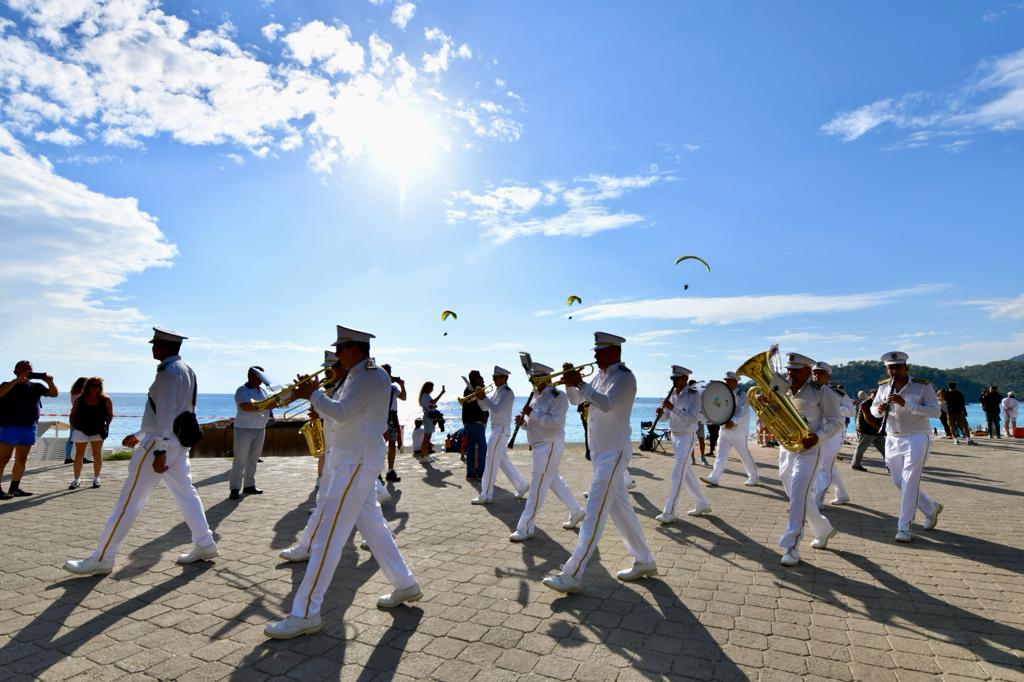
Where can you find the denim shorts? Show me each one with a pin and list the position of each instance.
(18, 435)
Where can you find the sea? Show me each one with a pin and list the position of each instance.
(128, 408)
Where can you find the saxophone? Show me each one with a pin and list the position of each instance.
(769, 400)
(313, 432)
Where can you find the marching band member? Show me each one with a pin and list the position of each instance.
(360, 410)
(611, 396)
(500, 409)
(544, 421)
(819, 405)
(828, 470)
(158, 455)
(683, 407)
(909, 402)
(734, 436)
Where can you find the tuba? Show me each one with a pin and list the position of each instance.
(769, 400)
(313, 432)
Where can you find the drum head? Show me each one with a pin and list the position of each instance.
(717, 402)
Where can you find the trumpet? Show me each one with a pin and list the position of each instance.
(285, 395)
(477, 394)
(584, 371)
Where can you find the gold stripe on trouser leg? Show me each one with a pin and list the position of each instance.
(536, 499)
(127, 501)
(600, 511)
(319, 520)
(490, 463)
(807, 498)
(327, 545)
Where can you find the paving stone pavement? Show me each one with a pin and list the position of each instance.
(950, 605)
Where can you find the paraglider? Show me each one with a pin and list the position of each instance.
(697, 258)
(571, 300)
(446, 314)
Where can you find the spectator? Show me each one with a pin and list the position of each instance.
(992, 403)
(250, 430)
(91, 415)
(428, 405)
(957, 410)
(394, 434)
(419, 437)
(1010, 407)
(940, 396)
(868, 431)
(19, 414)
(76, 390)
(474, 421)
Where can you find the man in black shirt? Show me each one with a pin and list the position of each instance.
(868, 431)
(956, 406)
(992, 403)
(474, 420)
(19, 413)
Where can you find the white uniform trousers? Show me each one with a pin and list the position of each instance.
(497, 458)
(828, 470)
(608, 497)
(316, 518)
(729, 440)
(906, 456)
(797, 471)
(248, 446)
(347, 500)
(544, 475)
(682, 475)
(140, 484)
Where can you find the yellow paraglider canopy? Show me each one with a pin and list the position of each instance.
(573, 299)
(448, 313)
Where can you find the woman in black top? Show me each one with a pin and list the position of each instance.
(90, 421)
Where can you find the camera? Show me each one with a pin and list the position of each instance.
(396, 379)
(37, 375)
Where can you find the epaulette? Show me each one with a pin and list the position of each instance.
(625, 369)
(507, 387)
(837, 389)
(920, 381)
(161, 367)
(814, 384)
(371, 364)
(883, 381)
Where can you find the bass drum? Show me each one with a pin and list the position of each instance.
(717, 402)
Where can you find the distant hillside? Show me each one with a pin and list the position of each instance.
(1008, 375)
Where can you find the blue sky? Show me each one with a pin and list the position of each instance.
(255, 173)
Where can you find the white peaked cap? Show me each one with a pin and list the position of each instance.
(822, 367)
(161, 334)
(604, 340)
(330, 358)
(896, 357)
(679, 370)
(538, 370)
(731, 375)
(346, 335)
(797, 361)
(501, 372)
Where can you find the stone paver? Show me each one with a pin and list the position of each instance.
(950, 605)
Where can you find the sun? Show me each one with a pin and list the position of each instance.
(404, 141)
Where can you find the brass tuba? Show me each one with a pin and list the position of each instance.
(769, 400)
(313, 432)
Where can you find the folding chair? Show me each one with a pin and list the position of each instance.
(652, 441)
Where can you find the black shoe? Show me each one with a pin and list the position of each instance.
(857, 467)
(87, 461)
(392, 476)
(68, 460)
(18, 492)
(252, 490)
(5, 496)
(235, 495)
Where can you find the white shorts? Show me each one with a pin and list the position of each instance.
(79, 437)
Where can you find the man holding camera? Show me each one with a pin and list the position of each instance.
(394, 432)
(19, 413)
(158, 455)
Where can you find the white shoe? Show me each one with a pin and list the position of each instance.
(790, 558)
(839, 501)
(75, 484)
(904, 536)
(586, 494)
(665, 518)
(292, 626)
(198, 554)
(637, 571)
(563, 583)
(751, 482)
(574, 520)
(519, 537)
(521, 494)
(88, 566)
(631, 485)
(363, 544)
(822, 543)
(709, 482)
(96, 482)
(933, 520)
(699, 511)
(479, 500)
(956, 441)
(411, 593)
(294, 554)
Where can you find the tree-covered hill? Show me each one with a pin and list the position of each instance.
(1008, 375)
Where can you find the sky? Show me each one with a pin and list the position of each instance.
(254, 173)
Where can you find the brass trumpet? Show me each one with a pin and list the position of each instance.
(477, 394)
(584, 371)
(285, 395)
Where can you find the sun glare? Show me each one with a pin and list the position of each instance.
(405, 143)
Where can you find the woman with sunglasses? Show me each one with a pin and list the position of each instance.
(91, 415)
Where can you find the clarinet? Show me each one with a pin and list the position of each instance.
(515, 432)
(888, 408)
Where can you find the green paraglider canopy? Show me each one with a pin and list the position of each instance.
(448, 313)
(697, 258)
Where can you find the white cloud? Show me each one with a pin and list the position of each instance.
(402, 14)
(1005, 308)
(729, 310)
(814, 337)
(330, 46)
(970, 352)
(61, 136)
(992, 101)
(552, 209)
(271, 31)
(439, 61)
(656, 337)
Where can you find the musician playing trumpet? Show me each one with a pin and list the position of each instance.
(683, 407)
(500, 408)
(544, 421)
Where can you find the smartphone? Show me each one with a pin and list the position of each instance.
(37, 375)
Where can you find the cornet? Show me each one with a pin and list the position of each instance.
(285, 395)
(584, 371)
(477, 394)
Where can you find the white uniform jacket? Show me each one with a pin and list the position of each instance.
(912, 417)
(846, 406)
(500, 406)
(685, 411)
(611, 396)
(546, 423)
(820, 407)
(360, 409)
(741, 416)
(169, 396)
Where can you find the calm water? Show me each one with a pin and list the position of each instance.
(128, 408)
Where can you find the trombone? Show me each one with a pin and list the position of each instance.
(584, 371)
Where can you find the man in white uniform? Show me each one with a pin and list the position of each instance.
(828, 470)
(158, 456)
(360, 412)
(910, 403)
(250, 430)
(819, 405)
(544, 421)
(611, 396)
(683, 406)
(500, 408)
(734, 436)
